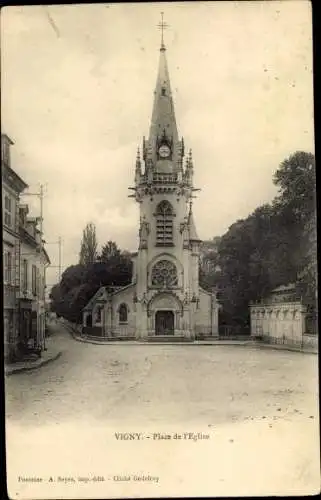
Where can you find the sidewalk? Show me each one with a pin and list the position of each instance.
(51, 354)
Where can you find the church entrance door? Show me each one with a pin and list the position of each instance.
(164, 322)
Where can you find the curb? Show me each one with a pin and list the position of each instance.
(287, 348)
(86, 340)
(244, 343)
(35, 367)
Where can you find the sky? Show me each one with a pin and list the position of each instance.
(77, 92)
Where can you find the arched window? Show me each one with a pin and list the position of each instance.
(164, 274)
(123, 313)
(164, 224)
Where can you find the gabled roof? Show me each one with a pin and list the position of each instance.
(103, 292)
(100, 293)
(284, 288)
(121, 288)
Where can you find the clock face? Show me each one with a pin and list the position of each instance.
(164, 151)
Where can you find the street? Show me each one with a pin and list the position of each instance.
(259, 409)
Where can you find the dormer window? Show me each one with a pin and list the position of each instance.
(163, 90)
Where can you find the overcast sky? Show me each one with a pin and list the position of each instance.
(77, 93)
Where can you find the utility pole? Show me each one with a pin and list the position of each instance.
(59, 267)
(41, 290)
(59, 259)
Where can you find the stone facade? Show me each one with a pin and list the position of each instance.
(23, 288)
(12, 187)
(164, 298)
(33, 263)
(281, 318)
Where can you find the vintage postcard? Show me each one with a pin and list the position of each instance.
(159, 244)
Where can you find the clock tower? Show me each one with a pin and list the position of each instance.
(164, 300)
(166, 268)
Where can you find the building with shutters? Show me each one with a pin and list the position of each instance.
(12, 187)
(24, 264)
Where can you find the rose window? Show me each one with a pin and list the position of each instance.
(164, 274)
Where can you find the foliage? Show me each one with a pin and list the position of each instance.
(274, 245)
(88, 248)
(108, 251)
(81, 281)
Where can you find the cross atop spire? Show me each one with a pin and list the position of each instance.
(162, 26)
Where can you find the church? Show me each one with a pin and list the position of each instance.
(164, 300)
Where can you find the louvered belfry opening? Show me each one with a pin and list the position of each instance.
(164, 224)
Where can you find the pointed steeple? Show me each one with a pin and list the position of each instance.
(164, 148)
(138, 169)
(163, 152)
(193, 236)
(163, 123)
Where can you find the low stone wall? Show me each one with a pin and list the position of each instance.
(310, 341)
(306, 342)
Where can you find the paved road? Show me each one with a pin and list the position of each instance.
(263, 400)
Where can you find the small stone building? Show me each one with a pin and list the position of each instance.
(281, 317)
(164, 298)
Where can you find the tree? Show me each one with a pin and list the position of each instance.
(274, 245)
(72, 277)
(297, 186)
(209, 269)
(108, 251)
(56, 298)
(81, 281)
(88, 248)
(296, 204)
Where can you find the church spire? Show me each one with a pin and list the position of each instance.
(163, 129)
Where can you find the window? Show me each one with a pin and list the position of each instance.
(24, 280)
(164, 274)
(7, 267)
(164, 224)
(34, 280)
(98, 314)
(38, 289)
(7, 211)
(123, 313)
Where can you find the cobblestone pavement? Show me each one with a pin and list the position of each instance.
(263, 402)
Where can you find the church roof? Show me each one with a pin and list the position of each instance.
(100, 294)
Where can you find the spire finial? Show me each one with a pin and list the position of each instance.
(162, 25)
